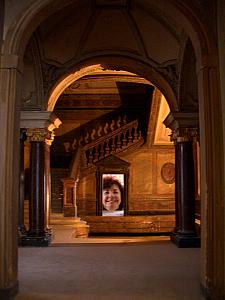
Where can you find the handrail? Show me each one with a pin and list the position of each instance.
(112, 134)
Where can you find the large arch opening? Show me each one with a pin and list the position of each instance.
(210, 119)
(121, 94)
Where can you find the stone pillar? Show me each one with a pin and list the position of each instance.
(21, 226)
(185, 233)
(37, 234)
(9, 173)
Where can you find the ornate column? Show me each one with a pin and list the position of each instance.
(185, 234)
(184, 128)
(37, 234)
(39, 126)
(21, 226)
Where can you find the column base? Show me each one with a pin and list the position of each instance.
(69, 211)
(182, 241)
(49, 231)
(36, 241)
(22, 233)
(22, 230)
(9, 293)
(206, 292)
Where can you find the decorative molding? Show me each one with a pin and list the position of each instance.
(39, 119)
(50, 75)
(168, 173)
(169, 70)
(175, 120)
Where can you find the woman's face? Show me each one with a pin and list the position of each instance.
(111, 197)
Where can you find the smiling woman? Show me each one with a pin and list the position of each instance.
(112, 195)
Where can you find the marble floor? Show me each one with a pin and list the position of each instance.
(108, 268)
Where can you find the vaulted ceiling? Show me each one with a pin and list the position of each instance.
(92, 30)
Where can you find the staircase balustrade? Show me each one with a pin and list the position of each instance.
(114, 142)
(87, 134)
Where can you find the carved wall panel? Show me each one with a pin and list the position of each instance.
(141, 174)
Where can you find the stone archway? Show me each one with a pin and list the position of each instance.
(212, 176)
(113, 63)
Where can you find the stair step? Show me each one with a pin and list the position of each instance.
(131, 224)
(59, 219)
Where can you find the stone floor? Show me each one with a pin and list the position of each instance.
(108, 268)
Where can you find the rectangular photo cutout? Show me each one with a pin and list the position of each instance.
(113, 195)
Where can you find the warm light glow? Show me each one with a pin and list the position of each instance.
(162, 133)
(69, 80)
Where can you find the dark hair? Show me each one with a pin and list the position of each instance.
(108, 181)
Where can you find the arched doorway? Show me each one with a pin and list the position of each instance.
(113, 99)
(210, 125)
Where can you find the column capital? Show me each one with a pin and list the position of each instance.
(184, 134)
(39, 125)
(37, 134)
(184, 126)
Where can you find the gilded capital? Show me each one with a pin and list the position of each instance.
(37, 134)
(184, 134)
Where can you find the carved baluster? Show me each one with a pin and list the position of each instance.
(130, 136)
(102, 150)
(139, 134)
(96, 156)
(84, 159)
(124, 140)
(118, 122)
(113, 144)
(90, 160)
(118, 146)
(135, 132)
(107, 149)
(112, 125)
